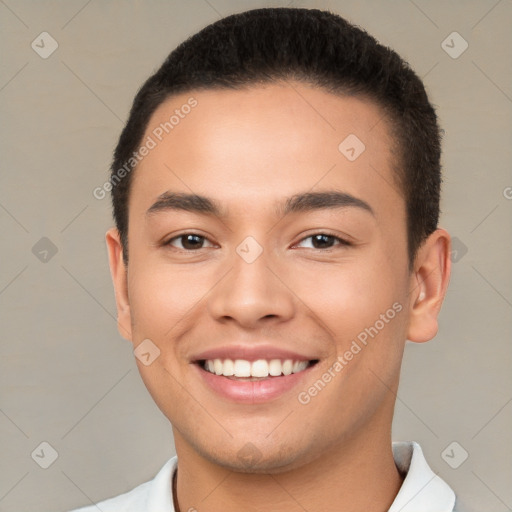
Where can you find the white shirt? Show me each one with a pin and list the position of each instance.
(422, 490)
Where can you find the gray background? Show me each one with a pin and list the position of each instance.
(66, 375)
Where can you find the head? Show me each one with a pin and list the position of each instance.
(280, 187)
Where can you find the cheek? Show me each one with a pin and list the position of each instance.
(160, 297)
(347, 296)
(360, 304)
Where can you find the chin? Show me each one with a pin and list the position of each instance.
(256, 458)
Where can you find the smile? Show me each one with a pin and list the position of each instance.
(261, 368)
(253, 382)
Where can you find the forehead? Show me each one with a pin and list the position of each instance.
(262, 143)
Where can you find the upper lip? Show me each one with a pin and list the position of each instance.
(250, 353)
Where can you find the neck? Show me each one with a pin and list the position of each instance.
(357, 475)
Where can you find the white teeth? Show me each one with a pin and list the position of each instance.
(242, 368)
(288, 367)
(228, 368)
(260, 368)
(275, 367)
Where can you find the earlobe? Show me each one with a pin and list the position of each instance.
(118, 272)
(428, 286)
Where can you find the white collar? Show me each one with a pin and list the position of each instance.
(422, 490)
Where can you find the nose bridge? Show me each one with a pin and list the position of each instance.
(250, 290)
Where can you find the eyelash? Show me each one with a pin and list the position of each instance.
(342, 242)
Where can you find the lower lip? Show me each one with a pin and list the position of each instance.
(252, 392)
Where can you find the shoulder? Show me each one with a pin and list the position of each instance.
(141, 498)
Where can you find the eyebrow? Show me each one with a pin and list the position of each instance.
(304, 202)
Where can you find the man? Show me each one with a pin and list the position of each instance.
(276, 199)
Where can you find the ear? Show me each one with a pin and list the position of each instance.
(119, 274)
(428, 285)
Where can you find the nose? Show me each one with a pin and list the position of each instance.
(253, 293)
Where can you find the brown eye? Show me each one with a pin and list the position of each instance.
(324, 241)
(189, 241)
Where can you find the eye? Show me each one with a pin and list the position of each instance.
(189, 241)
(324, 241)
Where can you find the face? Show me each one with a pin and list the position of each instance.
(294, 260)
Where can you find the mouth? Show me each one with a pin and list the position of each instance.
(253, 382)
(242, 369)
